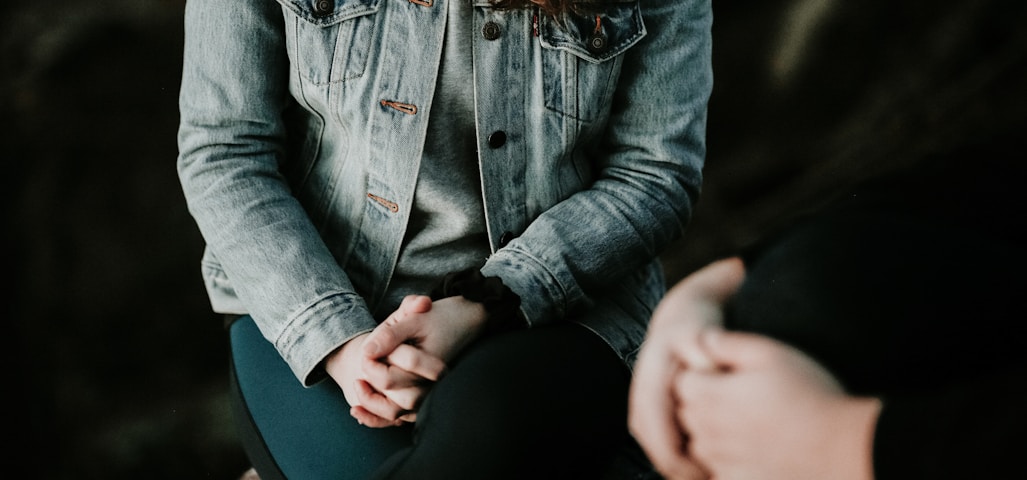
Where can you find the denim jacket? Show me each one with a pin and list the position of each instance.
(302, 124)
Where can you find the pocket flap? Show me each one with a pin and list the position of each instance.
(324, 13)
(597, 32)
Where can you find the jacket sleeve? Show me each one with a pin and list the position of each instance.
(231, 140)
(649, 175)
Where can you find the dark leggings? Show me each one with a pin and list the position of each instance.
(548, 402)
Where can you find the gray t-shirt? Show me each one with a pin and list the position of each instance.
(446, 231)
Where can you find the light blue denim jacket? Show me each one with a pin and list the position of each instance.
(303, 121)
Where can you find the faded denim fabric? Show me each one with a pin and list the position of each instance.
(302, 126)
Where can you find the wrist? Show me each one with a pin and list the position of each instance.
(500, 305)
(861, 415)
(475, 317)
(336, 357)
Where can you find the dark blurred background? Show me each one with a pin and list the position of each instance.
(118, 368)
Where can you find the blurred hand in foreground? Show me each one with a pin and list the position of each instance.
(672, 345)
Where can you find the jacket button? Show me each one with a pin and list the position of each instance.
(490, 31)
(597, 43)
(497, 139)
(506, 238)
(323, 7)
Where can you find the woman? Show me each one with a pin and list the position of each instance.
(531, 160)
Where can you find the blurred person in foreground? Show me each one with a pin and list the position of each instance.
(882, 337)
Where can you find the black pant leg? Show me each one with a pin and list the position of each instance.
(549, 402)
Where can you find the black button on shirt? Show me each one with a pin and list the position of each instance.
(497, 139)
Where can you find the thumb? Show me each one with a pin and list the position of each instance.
(415, 304)
(386, 337)
(730, 349)
(717, 281)
(394, 331)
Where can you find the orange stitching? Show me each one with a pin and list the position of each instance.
(423, 3)
(392, 206)
(403, 107)
(598, 25)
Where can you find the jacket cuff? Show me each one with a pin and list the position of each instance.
(544, 298)
(319, 330)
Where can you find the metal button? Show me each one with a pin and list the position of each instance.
(497, 139)
(323, 7)
(506, 238)
(490, 31)
(597, 43)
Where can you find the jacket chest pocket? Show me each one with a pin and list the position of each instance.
(582, 53)
(329, 41)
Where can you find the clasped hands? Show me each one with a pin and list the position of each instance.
(385, 374)
(707, 403)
